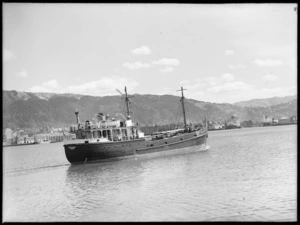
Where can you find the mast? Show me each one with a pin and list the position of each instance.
(127, 102)
(77, 118)
(183, 110)
(76, 114)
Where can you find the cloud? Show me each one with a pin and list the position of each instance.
(8, 55)
(267, 62)
(278, 91)
(270, 77)
(144, 50)
(227, 77)
(258, 93)
(50, 87)
(211, 80)
(224, 83)
(230, 86)
(193, 86)
(238, 66)
(292, 63)
(136, 65)
(229, 52)
(225, 89)
(184, 82)
(167, 69)
(52, 84)
(22, 74)
(103, 86)
(167, 62)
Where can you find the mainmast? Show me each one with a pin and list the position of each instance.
(126, 100)
(183, 110)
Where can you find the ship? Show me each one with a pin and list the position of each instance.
(107, 139)
(233, 123)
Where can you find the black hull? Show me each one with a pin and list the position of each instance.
(100, 152)
(282, 124)
(232, 127)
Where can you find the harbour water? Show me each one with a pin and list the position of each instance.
(247, 174)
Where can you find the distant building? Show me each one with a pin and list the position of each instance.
(8, 134)
(233, 122)
(4, 141)
(218, 126)
(28, 140)
(58, 137)
(267, 121)
(21, 139)
(215, 125)
(247, 123)
(20, 133)
(40, 138)
(284, 120)
(293, 119)
(54, 131)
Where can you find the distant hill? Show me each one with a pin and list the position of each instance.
(28, 110)
(266, 102)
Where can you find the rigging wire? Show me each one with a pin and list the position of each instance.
(196, 111)
(177, 114)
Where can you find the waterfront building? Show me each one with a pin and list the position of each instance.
(41, 138)
(293, 119)
(268, 121)
(8, 135)
(28, 140)
(284, 120)
(58, 137)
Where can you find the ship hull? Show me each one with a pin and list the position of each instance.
(79, 153)
(232, 127)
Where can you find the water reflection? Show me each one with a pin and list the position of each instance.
(132, 184)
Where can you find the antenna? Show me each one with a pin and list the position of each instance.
(183, 110)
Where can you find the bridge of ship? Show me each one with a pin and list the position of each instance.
(113, 131)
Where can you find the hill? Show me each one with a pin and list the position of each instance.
(28, 110)
(266, 102)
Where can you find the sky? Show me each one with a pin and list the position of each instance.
(222, 53)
